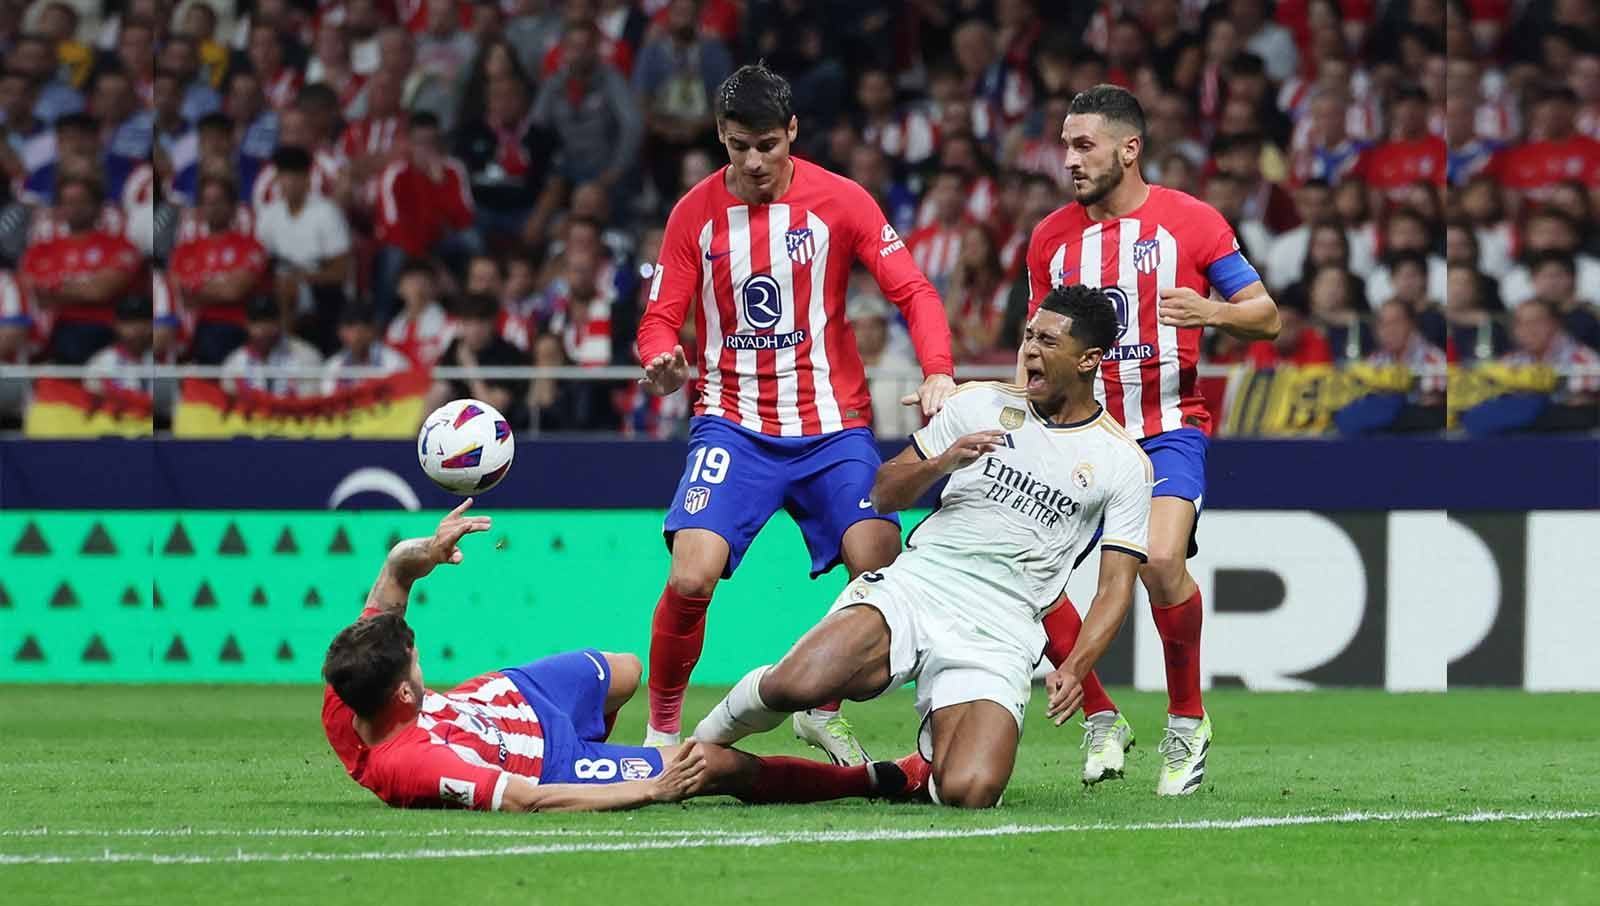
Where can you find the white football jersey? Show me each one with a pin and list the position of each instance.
(1011, 526)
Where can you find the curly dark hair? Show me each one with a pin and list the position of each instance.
(1094, 318)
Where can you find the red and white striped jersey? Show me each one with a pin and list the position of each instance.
(464, 748)
(767, 287)
(423, 337)
(936, 248)
(326, 164)
(981, 198)
(1426, 359)
(1147, 382)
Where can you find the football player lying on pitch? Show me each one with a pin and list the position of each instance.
(1034, 471)
(529, 738)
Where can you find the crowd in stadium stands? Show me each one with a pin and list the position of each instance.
(380, 182)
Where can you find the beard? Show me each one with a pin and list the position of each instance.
(1098, 189)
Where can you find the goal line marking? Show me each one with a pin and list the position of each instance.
(635, 841)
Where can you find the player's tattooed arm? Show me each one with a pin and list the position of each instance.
(902, 480)
(415, 558)
(1112, 598)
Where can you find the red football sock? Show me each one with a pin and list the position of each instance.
(781, 778)
(1061, 627)
(1179, 627)
(676, 636)
(829, 706)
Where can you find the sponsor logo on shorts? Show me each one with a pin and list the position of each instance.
(696, 499)
(636, 769)
(1011, 418)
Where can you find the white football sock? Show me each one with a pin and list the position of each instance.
(741, 713)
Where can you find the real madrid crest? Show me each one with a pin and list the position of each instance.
(1083, 476)
(1011, 418)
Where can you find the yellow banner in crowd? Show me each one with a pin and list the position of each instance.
(1300, 400)
(1471, 386)
(64, 409)
(388, 407)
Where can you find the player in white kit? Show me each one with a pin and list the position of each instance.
(1034, 471)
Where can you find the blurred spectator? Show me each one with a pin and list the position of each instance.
(1283, 260)
(79, 276)
(557, 405)
(33, 55)
(1251, 107)
(975, 301)
(1555, 152)
(24, 331)
(964, 155)
(129, 129)
(1474, 334)
(937, 246)
(535, 27)
(421, 330)
(75, 136)
(1539, 340)
(330, 65)
(136, 53)
(1549, 230)
(268, 345)
(199, 23)
(797, 40)
(181, 57)
(1410, 155)
(168, 123)
(308, 124)
(1555, 284)
(1240, 156)
(580, 311)
(1327, 151)
(1400, 344)
(59, 23)
(1225, 191)
(1408, 272)
(870, 320)
(613, 47)
(208, 149)
(280, 82)
(508, 162)
(1481, 205)
(676, 76)
(309, 242)
(359, 348)
(30, 140)
(1299, 341)
(1169, 131)
(217, 272)
(121, 364)
(476, 344)
(1470, 152)
(1351, 206)
(495, 59)
(444, 51)
(590, 208)
(255, 124)
(995, 84)
(1337, 300)
(906, 138)
(1572, 199)
(590, 107)
(1265, 38)
(1405, 230)
(375, 140)
(424, 208)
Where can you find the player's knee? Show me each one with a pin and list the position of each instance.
(625, 673)
(968, 787)
(1163, 574)
(790, 686)
(693, 580)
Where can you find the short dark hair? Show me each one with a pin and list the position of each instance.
(415, 266)
(1397, 260)
(477, 305)
(90, 185)
(317, 95)
(215, 122)
(262, 307)
(1561, 259)
(1094, 319)
(367, 660)
(356, 311)
(224, 182)
(79, 122)
(1113, 102)
(756, 97)
(1246, 64)
(289, 159)
(424, 119)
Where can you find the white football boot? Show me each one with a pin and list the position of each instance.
(1183, 755)
(1107, 736)
(830, 732)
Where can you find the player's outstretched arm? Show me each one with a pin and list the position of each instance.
(1112, 598)
(683, 777)
(901, 480)
(415, 558)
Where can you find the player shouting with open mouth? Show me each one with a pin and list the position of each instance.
(761, 252)
(1034, 472)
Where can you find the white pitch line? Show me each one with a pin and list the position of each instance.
(650, 840)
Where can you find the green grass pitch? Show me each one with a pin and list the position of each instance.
(219, 795)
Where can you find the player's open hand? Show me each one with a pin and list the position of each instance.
(1065, 690)
(684, 776)
(966, 450)
(1181, 306)
(452, 529)
(935, 389)
(666, 372)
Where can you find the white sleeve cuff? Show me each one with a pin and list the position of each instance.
(499, 791)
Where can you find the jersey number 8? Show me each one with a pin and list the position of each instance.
(710, 465)
(594, 769)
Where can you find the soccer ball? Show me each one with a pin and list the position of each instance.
(465, 446)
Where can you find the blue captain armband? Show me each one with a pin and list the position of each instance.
(1231, 273)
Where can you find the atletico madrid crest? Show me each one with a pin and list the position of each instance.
(802, 245)
(696, 499)
(1146, 256)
